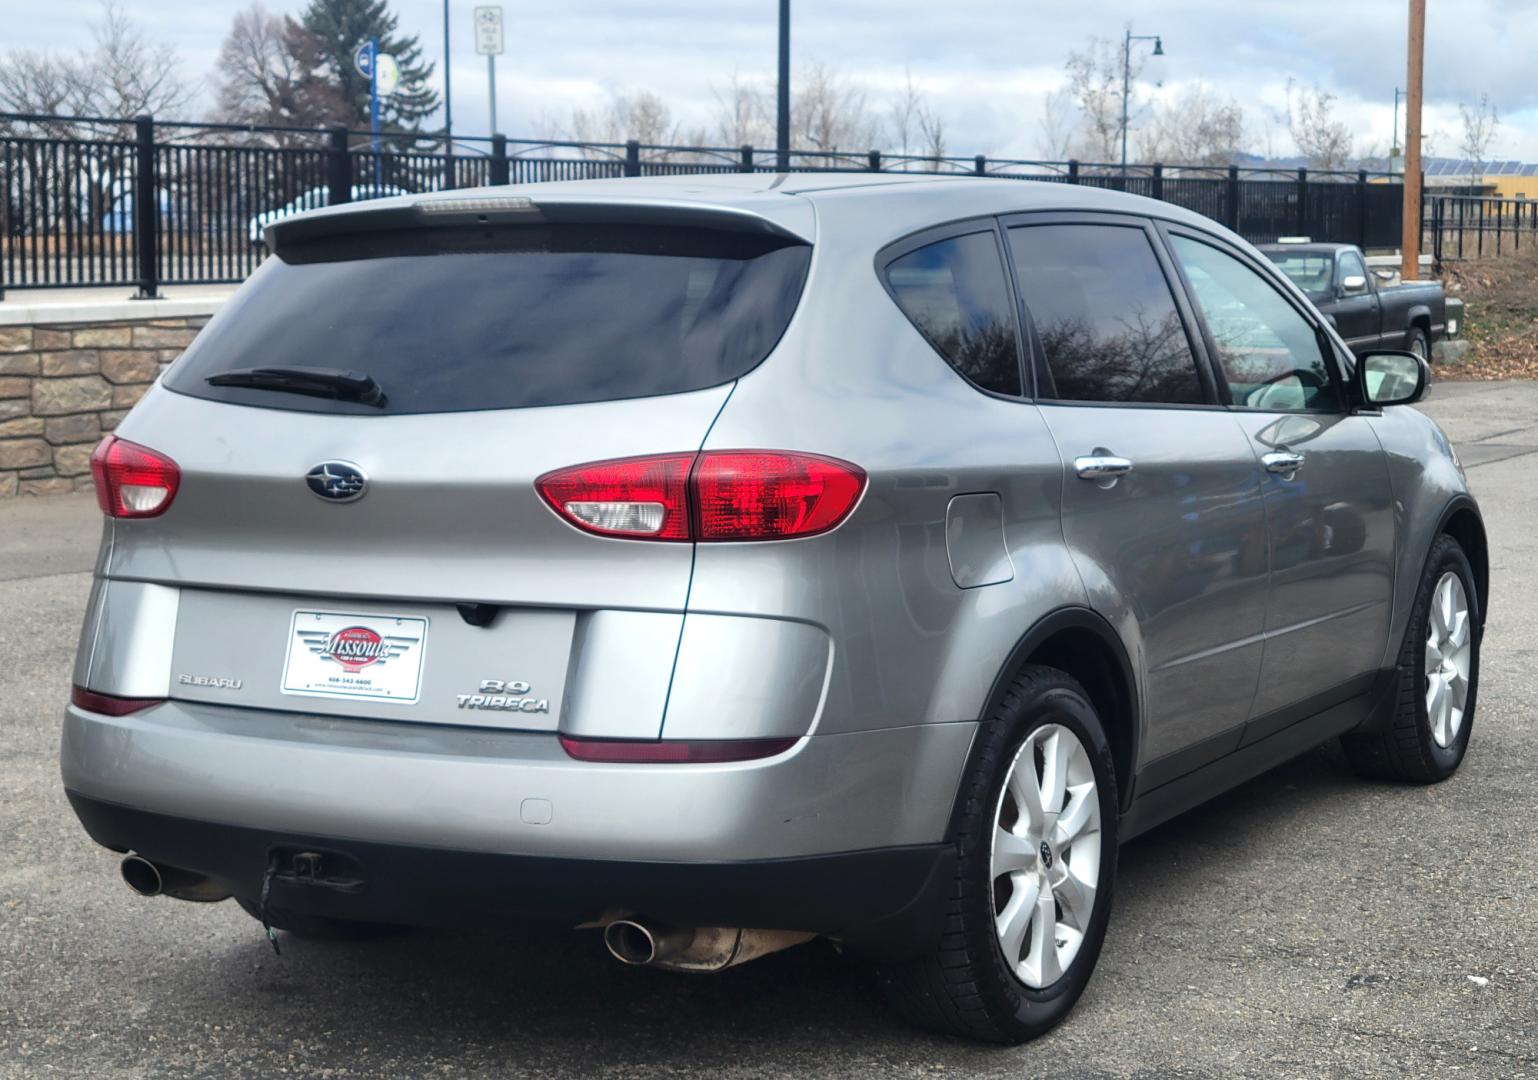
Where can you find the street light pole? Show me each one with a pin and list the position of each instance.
(448, 86)
(782, 125)
(1126, 83)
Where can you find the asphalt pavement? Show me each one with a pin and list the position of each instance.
(1309, 924)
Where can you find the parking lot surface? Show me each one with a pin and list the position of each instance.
(1308, 924)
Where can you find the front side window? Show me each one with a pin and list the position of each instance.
(1351, 265)
(1105, 314)
(1270, 354)
(954, 291)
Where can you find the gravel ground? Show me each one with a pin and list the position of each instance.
(1308, 924)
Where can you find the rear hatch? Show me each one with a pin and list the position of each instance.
(477, 357)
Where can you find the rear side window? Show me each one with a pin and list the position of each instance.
(1105, 314)
(449, 320)
(955, 292)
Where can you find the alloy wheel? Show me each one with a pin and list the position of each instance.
(1045, 865)
(1448, 652)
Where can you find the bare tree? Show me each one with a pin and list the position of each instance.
(271, 72)
(742, 113)
(123, 75)
(1325, 141)
(1095, 83)
(134, 76)
(830, 112)
(903, 116)
(1058, 125)
(641, 115)
(1196, 127)
(1480, 124)
(932, 130)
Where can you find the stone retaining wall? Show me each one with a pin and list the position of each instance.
(63, 386)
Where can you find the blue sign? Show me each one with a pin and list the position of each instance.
(363, 58)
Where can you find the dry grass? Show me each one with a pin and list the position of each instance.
(1501, 298)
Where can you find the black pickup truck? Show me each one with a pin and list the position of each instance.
(1369, 316)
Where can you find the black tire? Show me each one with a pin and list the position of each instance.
(963, 986)
(1404, 749)
(1416, 341)
(317, 927)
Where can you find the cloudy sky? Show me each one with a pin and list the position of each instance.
(985, 65)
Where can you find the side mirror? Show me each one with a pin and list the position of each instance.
(1391, 378)
(1353, 283)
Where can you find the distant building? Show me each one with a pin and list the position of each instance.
(1505, 179)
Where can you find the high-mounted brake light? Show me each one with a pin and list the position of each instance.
(716, 495)
(132, 481)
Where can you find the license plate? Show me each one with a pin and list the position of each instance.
(368, 657)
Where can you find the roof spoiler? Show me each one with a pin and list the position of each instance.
(420, 212)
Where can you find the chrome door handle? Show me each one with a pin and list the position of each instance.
(1282, 462)
(1101, 467)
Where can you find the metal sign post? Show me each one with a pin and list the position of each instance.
(488, 43)
(366, 60)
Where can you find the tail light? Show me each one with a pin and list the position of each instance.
(636, 497)
(673, 752)
(109, 704)
(132, 481)
(710, 496)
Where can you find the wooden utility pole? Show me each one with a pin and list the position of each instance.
(1411, 235)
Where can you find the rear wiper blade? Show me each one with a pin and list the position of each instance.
(318, 382)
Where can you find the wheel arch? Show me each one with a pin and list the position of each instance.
(1420, 316)
(1462, 521)
(1082, 643)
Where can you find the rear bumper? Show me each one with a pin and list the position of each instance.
(433, 805)
(883, 901)
(514, 793)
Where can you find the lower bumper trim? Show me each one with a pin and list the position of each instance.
(883, 901)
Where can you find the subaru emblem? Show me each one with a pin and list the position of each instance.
(337, 481)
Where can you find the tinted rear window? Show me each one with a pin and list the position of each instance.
(448, 320)
(954, 291)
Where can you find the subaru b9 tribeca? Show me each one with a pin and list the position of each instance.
(732, 561)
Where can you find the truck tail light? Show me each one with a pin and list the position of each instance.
(132, 481)
(715, 495)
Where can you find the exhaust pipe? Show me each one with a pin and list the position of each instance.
(148, 879)
(641, 943)
(142, 876)
(638, 944)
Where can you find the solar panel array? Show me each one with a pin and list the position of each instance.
(1462, 167)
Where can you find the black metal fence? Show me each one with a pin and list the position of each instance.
(1476, 226)
(101, 201)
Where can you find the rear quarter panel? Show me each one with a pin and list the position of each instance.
(854, 379)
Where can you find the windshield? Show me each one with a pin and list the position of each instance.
(1309, 270)
(448, 320)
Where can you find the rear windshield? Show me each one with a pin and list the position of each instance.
(448, 320)
(1309, 270)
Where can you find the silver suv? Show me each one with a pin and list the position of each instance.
(727, 561)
